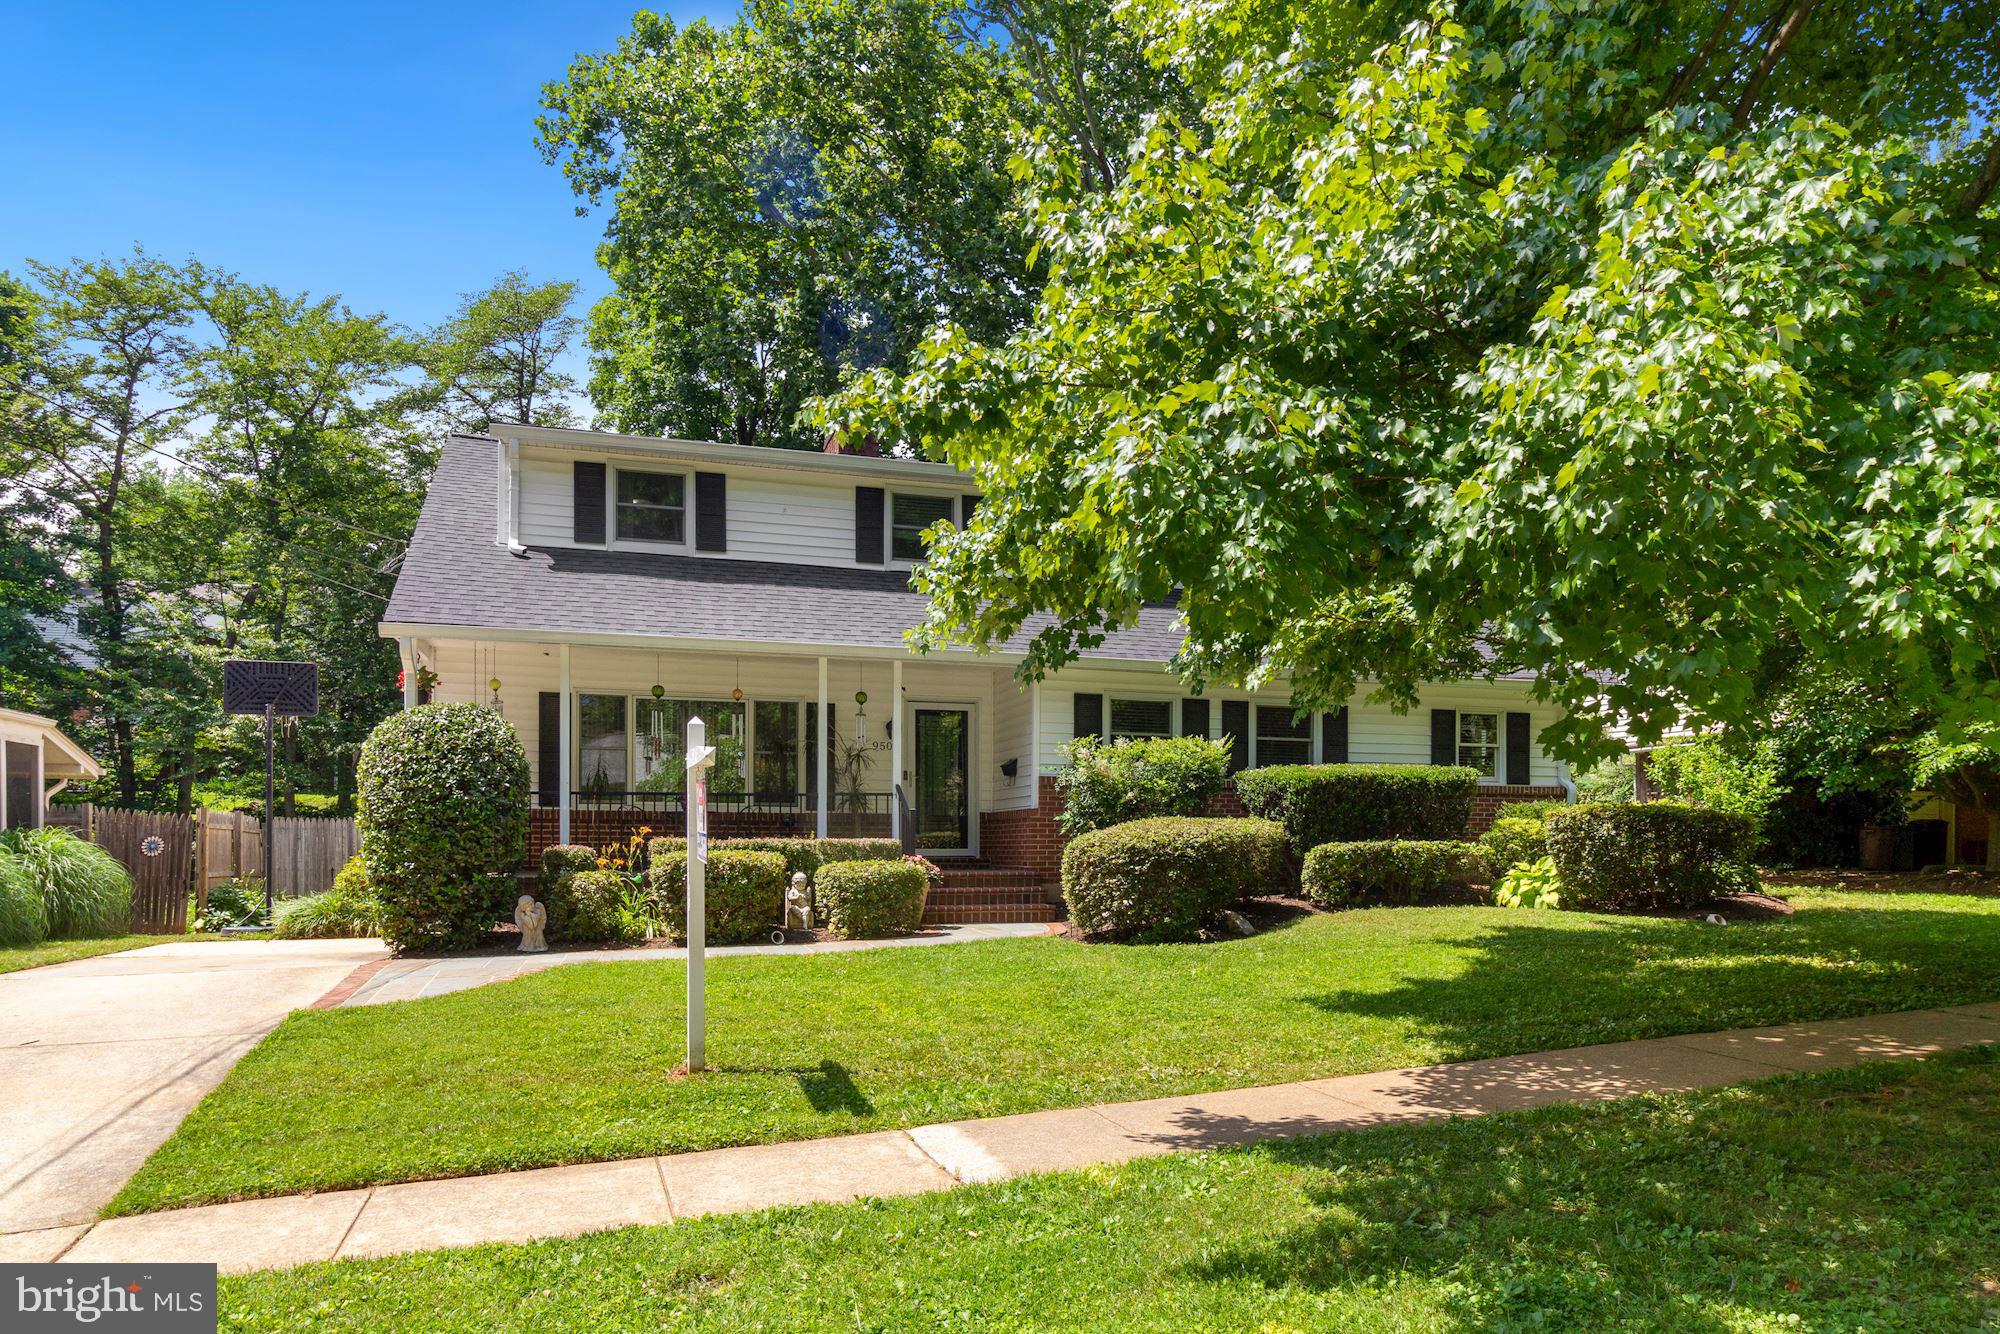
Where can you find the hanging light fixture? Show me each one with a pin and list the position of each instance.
(493, 681)
(656, 720)
(737, 693)
(860, 715)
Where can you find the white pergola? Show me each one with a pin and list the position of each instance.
(36, 762)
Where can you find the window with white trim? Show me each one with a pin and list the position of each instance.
(1479, 743)
(1283, 735)
(909, 515)
(652, 507)
(1141, 718)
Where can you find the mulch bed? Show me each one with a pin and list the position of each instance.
(1949, 880)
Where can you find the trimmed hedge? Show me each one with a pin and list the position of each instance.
(593, 907)
(1342, 803)
(871, 898)
(800, 854)
(560, 863)
(1164, 878)
(1110, 783)
(1662, 854)
(743, 891)
(1514, 842)
(1393, 872)
(444, 821)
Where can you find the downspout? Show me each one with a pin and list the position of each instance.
(1568, 783)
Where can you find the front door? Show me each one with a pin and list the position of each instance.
(943, 779)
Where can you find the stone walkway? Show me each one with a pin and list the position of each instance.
(415, 979)
(567, 1201)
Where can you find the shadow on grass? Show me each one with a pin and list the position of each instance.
(1820, 1198)
(828, 1086)
(1523, 987)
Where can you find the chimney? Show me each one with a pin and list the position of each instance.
(868, 447)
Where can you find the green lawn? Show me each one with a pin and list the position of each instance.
(1868, 1198)
(573, 1064)
(13, 958)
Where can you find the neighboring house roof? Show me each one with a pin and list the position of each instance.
(456, 575)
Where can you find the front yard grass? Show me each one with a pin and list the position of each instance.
(1865, 1198)
(574, 1064)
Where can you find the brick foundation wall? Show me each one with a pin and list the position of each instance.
(1486, 806)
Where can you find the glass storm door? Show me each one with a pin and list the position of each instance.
(943, 799)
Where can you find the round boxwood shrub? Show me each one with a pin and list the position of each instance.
(594, 907)
(1658, 855)
(1392, 872)
(1167, 877)
(1342, 803)
(1513, 842)
(444, 821)
(871, 898)
(743, 890)
(562, 862)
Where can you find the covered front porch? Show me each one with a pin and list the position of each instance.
(831, 745)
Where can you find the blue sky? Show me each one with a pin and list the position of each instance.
(384, 152)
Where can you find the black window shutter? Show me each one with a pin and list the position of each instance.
(711, 511)
(1194, 717)
(1444, 736)
(1517, 748)
(1333, 736)
(966, 504)
(1087, 715)
(868, 525)
(588, 482)
(1236, 725)
(548, 748)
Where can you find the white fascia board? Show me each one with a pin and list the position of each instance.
(735, 456)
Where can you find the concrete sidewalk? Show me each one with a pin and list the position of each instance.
(417, 979)
(566, 1201)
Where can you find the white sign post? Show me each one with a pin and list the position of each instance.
(700, 759)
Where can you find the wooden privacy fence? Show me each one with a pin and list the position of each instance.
(155, 849)
(308, 851)
(229, 845)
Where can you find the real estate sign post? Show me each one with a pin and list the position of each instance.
(700, 759)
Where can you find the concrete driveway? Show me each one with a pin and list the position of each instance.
(100, 1059)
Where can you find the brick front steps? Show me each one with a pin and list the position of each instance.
(976, 892)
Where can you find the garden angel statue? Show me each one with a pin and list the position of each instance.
(531, 917)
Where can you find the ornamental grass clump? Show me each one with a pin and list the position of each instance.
(22, 921)
(82, 889)
(444, 822)
(347, 911)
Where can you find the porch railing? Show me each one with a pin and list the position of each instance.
(751, 803)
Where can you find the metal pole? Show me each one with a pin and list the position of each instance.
(270, 803)
(699, 757)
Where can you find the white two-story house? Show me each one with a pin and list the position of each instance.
(599, 590)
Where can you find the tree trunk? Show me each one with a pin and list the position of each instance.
(1993, 841)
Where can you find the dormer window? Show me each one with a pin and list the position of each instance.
(908, 517)
(652, 507)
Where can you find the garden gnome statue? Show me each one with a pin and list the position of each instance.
(798, 903)
(531, 917)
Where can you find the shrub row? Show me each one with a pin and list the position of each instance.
(1166, 878)
(1345, 803)
(743, 892)
(1392, 872)
(800, 854)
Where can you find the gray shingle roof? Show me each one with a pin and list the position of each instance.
(454, 574)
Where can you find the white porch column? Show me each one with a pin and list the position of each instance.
(408, 648)
(824, 779)
(563, 738)
(895, 746)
